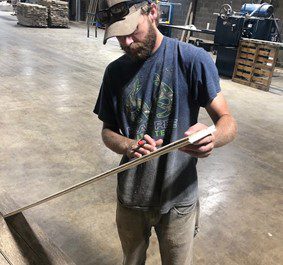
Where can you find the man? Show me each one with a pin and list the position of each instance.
(154, 93)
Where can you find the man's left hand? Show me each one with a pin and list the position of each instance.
(201, 148)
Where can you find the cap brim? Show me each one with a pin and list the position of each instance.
(123, 27)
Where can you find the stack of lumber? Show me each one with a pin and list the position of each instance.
(58, 13)
(32, 15)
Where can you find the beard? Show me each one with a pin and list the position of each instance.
(140, 51)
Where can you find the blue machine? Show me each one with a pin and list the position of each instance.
(166, 16)
(257, 10)
(254, 21)
(166, 12)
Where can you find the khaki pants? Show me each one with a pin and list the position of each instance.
(175, 232)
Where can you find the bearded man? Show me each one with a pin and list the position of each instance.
(154, 93)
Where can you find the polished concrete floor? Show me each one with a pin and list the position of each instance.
(49, 139)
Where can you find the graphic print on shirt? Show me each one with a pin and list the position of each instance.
(139, 108)
(135, 108)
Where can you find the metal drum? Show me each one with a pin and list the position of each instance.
(257, 10)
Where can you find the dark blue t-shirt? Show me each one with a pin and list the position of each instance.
(160, 97)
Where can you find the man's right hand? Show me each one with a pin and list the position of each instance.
(134, 150)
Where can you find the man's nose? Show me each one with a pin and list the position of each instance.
(125, 40)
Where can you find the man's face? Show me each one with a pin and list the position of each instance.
(141, 42)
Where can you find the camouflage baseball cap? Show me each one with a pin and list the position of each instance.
(120, 17)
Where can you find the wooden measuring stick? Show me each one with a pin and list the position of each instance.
(161, 151)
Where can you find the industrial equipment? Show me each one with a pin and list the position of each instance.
(166, 9)
(254, 21)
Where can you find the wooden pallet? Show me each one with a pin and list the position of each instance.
(255, 64)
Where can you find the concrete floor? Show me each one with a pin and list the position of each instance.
(49, 139)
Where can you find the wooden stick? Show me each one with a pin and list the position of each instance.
(184, 32)
(189, 33)
(161, 151)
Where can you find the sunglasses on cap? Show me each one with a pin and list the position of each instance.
(116, 12)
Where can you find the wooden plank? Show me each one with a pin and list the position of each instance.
(23, 242)
(237, 60)
(247, 56)
(241, 81)
(248, 44)
(266, 56)
(270, 53)
(266, 46)
(38, 241)
(264, 42)
(3, 261)
(273, 66)
(264, 60)
(262, 72)
(263, 66)
(241, 63)
(245, 75)
(189, 33)
(260, 80)
(244, 68)
(184, 32)
(245, 62)
(14, 248)
(248, 50)
(259, 86)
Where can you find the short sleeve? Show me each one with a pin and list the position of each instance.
(205, 78)
(104, 106)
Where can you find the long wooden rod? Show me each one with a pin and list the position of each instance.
(161, 151)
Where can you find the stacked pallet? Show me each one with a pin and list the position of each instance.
(255, 63)
(32, 15)
(58, 13)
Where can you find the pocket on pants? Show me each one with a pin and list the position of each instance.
(183, 210)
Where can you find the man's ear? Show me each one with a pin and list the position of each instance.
(153, 14)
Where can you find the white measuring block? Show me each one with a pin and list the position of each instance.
(201, 134)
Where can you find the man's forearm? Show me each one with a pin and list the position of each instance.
(226, 130)
(115, 141)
